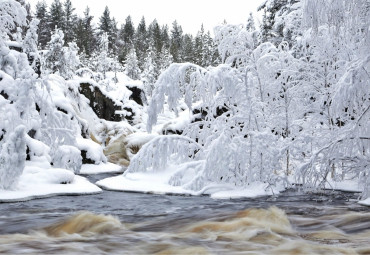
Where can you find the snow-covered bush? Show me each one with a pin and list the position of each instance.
(12, 158)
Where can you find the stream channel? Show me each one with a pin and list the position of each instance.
(134, 223)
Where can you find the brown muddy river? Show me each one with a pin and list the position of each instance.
(132, 223)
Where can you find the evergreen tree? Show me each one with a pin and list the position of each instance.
(150, 72)
(84, 33)
(57, 16)
(273, 23)
(166, 41)
(166, 60)
(131, 67)
(109, 26)
(43, 27)
(155, 36)
(199, 45)
(188, 49)
(128, 31)
(250, 23)
(176, 42)
(70, 21)
(54, 56)
(30, 45)
(141, 42)
(103, 61)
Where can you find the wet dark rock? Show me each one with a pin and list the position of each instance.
(137, 95)
(103, 106)
(85, 159)
(32, 133)
(5, 95)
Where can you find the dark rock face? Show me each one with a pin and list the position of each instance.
(85, 159)
(137, 95)
(103, 106)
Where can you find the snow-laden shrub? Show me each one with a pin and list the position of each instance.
(68, 157)
(93, 150)
(12, 158)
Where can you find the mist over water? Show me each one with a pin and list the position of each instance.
(130, 223)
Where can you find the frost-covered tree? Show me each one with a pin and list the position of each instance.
(250, 23)
(30, 45)
(11, 16)
(150, 72)
(131, 66)
(54, 60)
(12, 158)
(71, 60)
(103, 61)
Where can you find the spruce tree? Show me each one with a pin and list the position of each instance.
(57, 16)
(176, 42)
(43, 31)
(199, 46)
(250, 23)
(141, 42)
(109, 26)
(84, 33)
(70, 21)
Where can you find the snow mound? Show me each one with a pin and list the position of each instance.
(101, 168)
(160, 183)
(365, 202)
(36, 182)
(93, 150)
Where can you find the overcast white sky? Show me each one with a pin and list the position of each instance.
(190, 14)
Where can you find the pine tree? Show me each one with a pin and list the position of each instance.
(43, 27)
(141, 42)
(57, 16)
(187, 50)
(70, 21)
(128, 31)
(250, 23)
(88, 34)
(155, 36)
(109, 26)
(176, 42)
(199, 46)
(166, 41)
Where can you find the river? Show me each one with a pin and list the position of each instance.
(133, 223)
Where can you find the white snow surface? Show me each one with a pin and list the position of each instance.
(158, 183)
(94, 150)
(345, 185)
(101, 168)
(39, 182)
(365, 202)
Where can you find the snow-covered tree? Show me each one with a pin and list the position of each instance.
(12, 158)
(54, 57)
(131, 66)
(43, 28)
(103, 61)
(150, 72)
